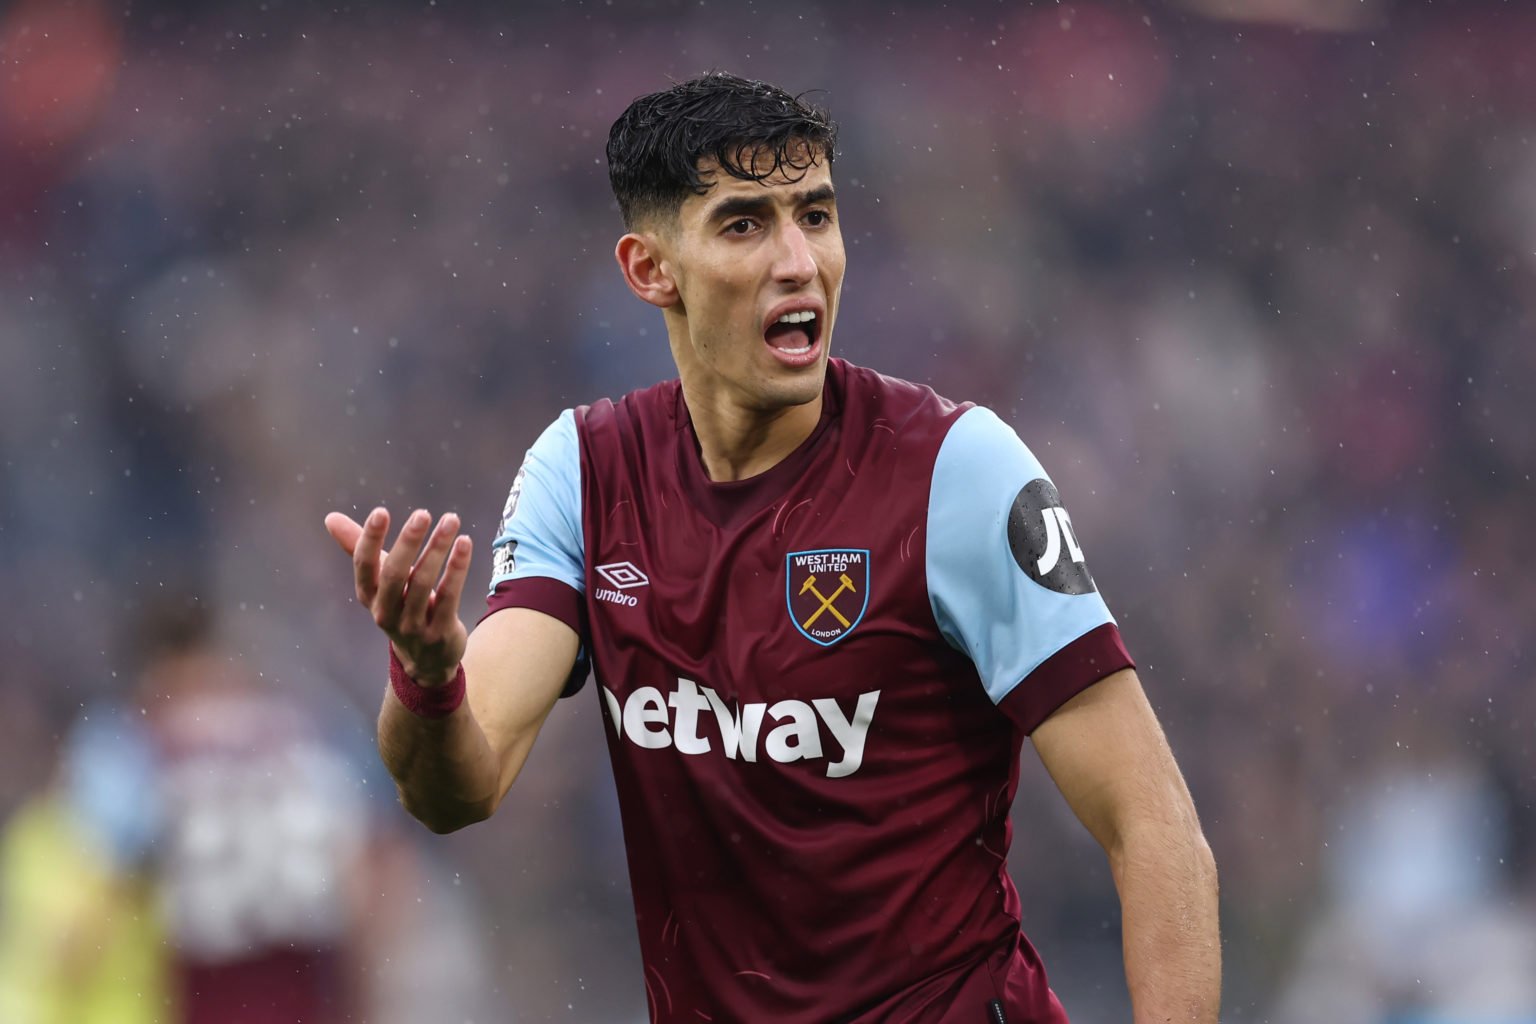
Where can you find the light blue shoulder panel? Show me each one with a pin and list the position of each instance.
(1006, 577)
(541, 525)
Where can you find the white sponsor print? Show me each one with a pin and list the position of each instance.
(644, 719)
(1057, 525)
(504, 561)
(513, 496)
(503, 557)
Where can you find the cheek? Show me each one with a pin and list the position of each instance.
(714, 288)
(833, 259)
(727, 301)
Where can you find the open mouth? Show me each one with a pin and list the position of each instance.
(793, 336)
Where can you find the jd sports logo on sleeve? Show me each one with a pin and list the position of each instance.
(1041, 538)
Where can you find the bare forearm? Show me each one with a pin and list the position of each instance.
(452, 748)
(444, 769)
(1172, 939)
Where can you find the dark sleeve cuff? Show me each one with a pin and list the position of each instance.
(542, 594)
(1071, 670)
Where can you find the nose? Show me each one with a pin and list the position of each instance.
(794, 263)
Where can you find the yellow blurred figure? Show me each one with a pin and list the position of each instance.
(79, 943)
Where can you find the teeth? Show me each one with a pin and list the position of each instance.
(797, 318)
(802, 350)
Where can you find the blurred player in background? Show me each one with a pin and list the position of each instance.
(80, 935)
(263, 829)
(823, 609)
(247, 822)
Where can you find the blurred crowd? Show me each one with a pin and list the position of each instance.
(1260, 294)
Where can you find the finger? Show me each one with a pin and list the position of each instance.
(365, 555)
(418, 595)
(343, 530)
(395, 572)
(445, 604)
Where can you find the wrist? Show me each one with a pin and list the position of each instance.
(430, 698)
(422, 676)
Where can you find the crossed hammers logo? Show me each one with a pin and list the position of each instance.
(809, 586)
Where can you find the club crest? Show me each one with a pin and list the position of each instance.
(827, 591)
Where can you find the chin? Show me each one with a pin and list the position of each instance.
(805, 387)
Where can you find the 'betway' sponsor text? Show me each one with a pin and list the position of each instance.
(795, 732)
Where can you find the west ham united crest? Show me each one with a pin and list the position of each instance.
(827, 591)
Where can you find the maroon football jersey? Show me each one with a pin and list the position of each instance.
(817, 682)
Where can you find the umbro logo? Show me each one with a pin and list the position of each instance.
(622, 576)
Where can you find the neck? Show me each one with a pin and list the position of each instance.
(736, 443)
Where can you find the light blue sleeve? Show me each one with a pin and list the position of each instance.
(1006, 575)
(111, 783)
(540, 531)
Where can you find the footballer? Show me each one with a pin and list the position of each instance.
(821, 609)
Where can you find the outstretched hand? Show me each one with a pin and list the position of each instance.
(412, 591)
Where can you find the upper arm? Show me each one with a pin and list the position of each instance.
(515, 667)
(1107, 754)
(1007, 578)
(526, 652)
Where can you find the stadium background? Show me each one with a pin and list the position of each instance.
(1259, 292)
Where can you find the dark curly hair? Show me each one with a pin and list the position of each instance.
(657, 144)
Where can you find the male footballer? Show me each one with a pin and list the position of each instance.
(822, 610)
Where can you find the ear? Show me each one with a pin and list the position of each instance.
(645, 271)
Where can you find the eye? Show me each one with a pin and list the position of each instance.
(818, 218)
(739, 227)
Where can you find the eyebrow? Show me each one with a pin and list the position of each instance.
(757, 206)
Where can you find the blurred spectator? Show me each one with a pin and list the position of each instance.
(80, 935)
(1421, 924)
(249, 823)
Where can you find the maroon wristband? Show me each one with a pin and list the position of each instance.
(425, 701)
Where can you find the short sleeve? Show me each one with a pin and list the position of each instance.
(1007, 577)
(109, 775)
(538, 558)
